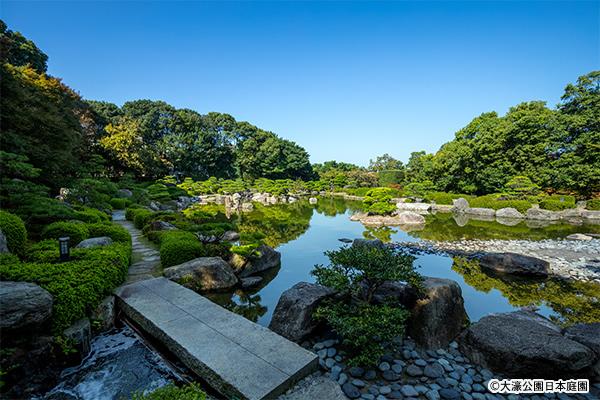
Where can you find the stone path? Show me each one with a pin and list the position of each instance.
(145, 256)
(235, 356)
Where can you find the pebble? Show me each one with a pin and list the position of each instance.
(413, 370)
(452, 381)
(335, 372)
(466, 379)
(449, 394)
(420, 362)
(397, 368)
(432, 395)
(356, 372)
(384, 366)
(478, 396)
(358, 383)
(394, 395)
(370, 375)
(433, 370)
(390, 376)
(385, 390)
(322, 353)
(421, 389)
(331, 352)
(478, 388)
(409, 391)
(329, 363)
(329, 343)
(343, 378)
(350, 390)
(367, 396)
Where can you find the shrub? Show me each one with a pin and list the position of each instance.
(141, 217)
(172, 392)
(131, 210)
(246, 250)
(356, 273)
(77, 286)
(177, 247)
(419, 189)
(491, 201)
(88, 214)
(45, 251)
(119, 203)
(520, 187)
(217, 250)
(555, 205)
(158, 192)
(444, 198)
(92, 192)
(391, 177)
(76, 231)
(593, 204)
(116, 232)
(377, 201)
(14, 229)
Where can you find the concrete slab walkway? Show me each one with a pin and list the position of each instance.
(237, 357)
(145, 256)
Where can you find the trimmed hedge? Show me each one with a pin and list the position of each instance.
(139, 216)
(172, 392)
(445, 198)
(119, 203)
(593, 204)
(114, 231)
(555, 205)
(491, 201)
(91, 215)
(14, 229)
(78, 286)
(177, 247)
(76, 231)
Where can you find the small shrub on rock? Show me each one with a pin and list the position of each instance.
(177, 247)
(377, 201)
(76, 231)
(356, 273)
(14, 229)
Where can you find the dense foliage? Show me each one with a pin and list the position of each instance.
(13, 229)
(172, 392)
(356, 273)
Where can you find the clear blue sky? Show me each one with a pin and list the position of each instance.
(348, 81)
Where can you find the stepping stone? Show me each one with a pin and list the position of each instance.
(235, 356)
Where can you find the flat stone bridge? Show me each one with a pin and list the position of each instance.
(236, 357)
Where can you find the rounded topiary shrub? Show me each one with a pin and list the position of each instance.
(116, 232)
(14, 229)
(76, 231)
(177, 247)
(593, 204)
(119, 203)
(88, 214)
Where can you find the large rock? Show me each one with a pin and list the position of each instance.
(368, 242)
(397, 292)
(509, 212)
(513, 263)
(268, 259)
(80, 333)
(544, 215)
(124, 193)
(23, 306)
(415, 207)
(230, 236)
(315, 387)
(292, 317)
(517, 344)
(588, 335)
(579, 236)
(94, 242)
(439, 316)
(481, 212)
(104, 314)
(3, 243)
(410, 218)
(161, 226)
(204, 273)
(460, 205)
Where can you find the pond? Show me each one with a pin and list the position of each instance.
(302, 232)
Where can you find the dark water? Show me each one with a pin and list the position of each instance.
(302, 233)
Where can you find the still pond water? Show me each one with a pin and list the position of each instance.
(302, 233)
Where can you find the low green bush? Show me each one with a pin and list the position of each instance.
(159, 192)
(116, 232)
(215, 228)
(79, 285)
(246, 250)
(217, 250)
(13, 228)
(381, 208)
(88, 214)
(491, 201)
(45, 251)
(555, 205)
(119, 203)
(75, 231)
(444, 197)
(593, 204)
(172, 392)
(377, 201)
(131, 210)
(141, 217)
(391, 177)
(177, 247)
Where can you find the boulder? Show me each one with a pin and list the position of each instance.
(460, 205)
(162, 226)
(480, 212)
(397, 292)
(204, 273)
(410, 218)
(544, 215)
(80, 333)
(589, 336)
(23, 305)
(124, 193)
(104, 314)
(94, 242)
(292, 317)
(250, 282)
(268, 259)
(368, 242)
(154, 206)
(509, 212)
(517, 344)
(315, 387)
(415, 207)
(247, 207)
(438, 317)
(3, 243)
(579, 236)
(312, 200)
(230, 236)
(513, 263)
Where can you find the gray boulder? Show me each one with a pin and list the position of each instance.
(544, 215)
(292, 317)
(3, 243)
(94, 242)
(80, 333)
(315, 387)
(410, 218)
(481, 212)
(438, 317)
(250, 282)
(460, 205)
(509, 212)
(415, 207)
(23, 305)
(268, 259)
(104, 314)
(397, 292)
(517, 344)
(230, 236)
(124, 193)
(204, 273)
(588, 335)
(368, 242)
(161, 226)
(513, 263)
(579, 236)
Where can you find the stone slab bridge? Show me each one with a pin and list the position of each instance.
(236, 357)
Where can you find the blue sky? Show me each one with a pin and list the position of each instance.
(348, 81)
